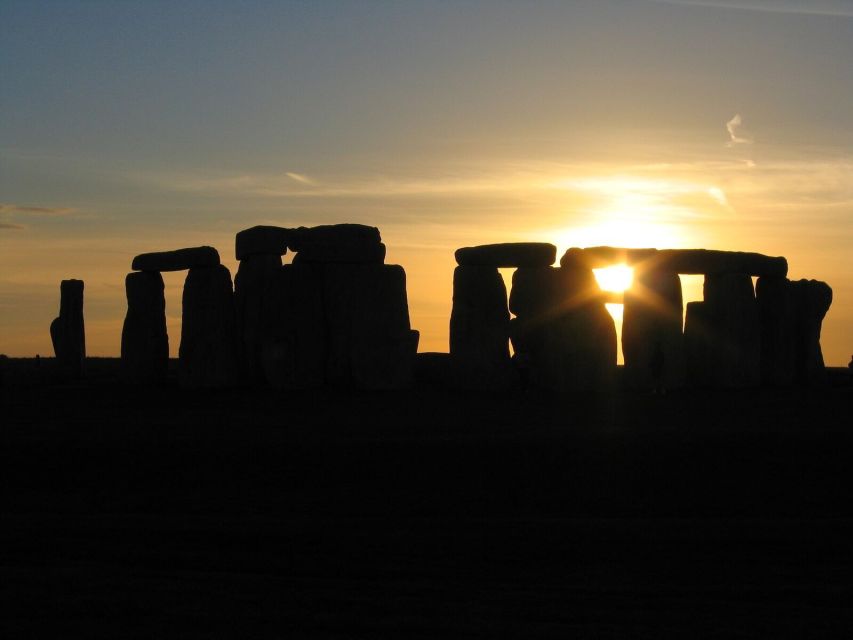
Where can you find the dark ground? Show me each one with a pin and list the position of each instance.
(172, 513)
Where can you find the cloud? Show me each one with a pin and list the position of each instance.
(828, 8)
(299, 177)
(732, 127)
(35, 211)
(10, 225)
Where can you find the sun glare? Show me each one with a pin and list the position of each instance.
(616, 278)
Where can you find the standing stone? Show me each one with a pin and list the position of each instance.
(651, 330)
(698, 346)
(812, 300)
(144, 341)
(293, 349)
(479, 329)
(370, 341)
(777, 319)
(726, 335)
(251, 284)
(67, 331)
(564, 338)
(208, 351)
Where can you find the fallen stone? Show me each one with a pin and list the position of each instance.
(370, 341)
(509, 254)
(652, 332)
(334, 234)
(294, 345)
(178, 260)
(684, 261)
(144, 340)
(262, 240)
(251, 285)
(209, 344)
(67, 332)
(350, 253)
(479, 330)
(812, 299)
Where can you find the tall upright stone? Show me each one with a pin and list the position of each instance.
(144, 340)
(293, 347)
(370, 341)
(777, 320)
(251, 287)
(479, 329)
(651, 330)
(67, 332)
(812, 299)
(209, 343)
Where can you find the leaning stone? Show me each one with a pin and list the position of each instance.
(479, 330)
(351, 253)
(67, 332)
(652, 332)
(262, 240)
(144, 340)
(209, 344)
(812, 299)
(178, 260)
(509, 254)
(371, 344)
(293, 350)
(251, 285)
(335, 234)
(777, 320)
(684, 261)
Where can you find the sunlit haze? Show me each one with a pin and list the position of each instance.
(134, 127)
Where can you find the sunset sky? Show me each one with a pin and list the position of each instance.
(131, 127)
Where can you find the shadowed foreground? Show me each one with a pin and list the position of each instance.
(167, 512)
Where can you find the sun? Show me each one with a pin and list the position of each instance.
(617, 278)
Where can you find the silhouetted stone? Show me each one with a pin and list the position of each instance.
(353, 252)
(433, 369)
(777, 319)
(509, 254)
(334, 234)
(479, 329)
(651, 331)
(812, 300)
(262, 240)
(698, 346)
(208, 351)
(144, 341)
(178, 260)
(67, 331)
(293, 352)
(370, 341)
(250, 296)
(564, 338)
(685, 261)
(725, 336)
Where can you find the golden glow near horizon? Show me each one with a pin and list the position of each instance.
(617, 278)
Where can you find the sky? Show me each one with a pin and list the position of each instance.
(132, 127)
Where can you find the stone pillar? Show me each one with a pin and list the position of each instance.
(697, 346)
(777, 319)
(67, 331)
(208, 351)
(479, 329)
(812, 300)
(251, 284)
(651, 330)
(144, 340)
(370, 341)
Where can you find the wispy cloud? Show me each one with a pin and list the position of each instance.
(35, 211)
(732, 127)
(828, 8)
(299, 177)
(11, 225)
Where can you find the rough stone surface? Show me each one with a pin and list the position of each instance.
(294, 346)
(651, 331)
(209, 344)
(335, 234)
(725, 336)
(685, 261)
(341, 252)
(262, 240)
(178, 260)
(509, 254)
(479, 330)
(67, 332)
(564, 338)
(370, 341)
(251, 285)
(812, 300)
(144, 340)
